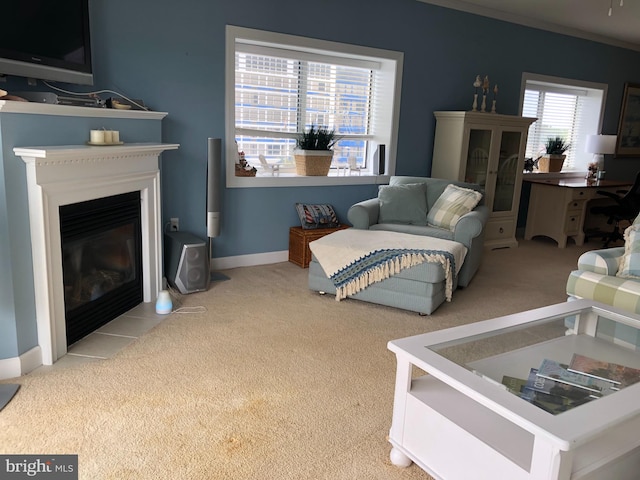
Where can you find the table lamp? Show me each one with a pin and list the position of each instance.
(600, 145)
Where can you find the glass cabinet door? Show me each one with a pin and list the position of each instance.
(507, 171)
(477, 167)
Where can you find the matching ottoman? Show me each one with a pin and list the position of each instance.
(418, 289)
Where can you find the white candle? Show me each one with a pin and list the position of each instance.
(115, 136)
(108, 136)
(97, 136)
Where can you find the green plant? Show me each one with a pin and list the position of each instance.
(556, 146)
(317, 138)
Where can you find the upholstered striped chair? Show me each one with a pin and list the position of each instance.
(611, 276)
(596, 279)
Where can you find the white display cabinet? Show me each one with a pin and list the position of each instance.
(487, 149)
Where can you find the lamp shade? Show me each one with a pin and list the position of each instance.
(603, 144)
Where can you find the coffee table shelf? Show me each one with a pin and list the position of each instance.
(457, 424)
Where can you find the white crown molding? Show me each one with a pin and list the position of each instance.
(529, 22)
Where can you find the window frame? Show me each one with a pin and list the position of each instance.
(392, 64)
(592, 126)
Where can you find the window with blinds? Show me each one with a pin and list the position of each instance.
(276, 96)
(284, 84)
(571, 110)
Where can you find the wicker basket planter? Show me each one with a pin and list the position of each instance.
(313, 162)
(551, 163)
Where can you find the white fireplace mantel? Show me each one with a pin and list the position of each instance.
(64, 175)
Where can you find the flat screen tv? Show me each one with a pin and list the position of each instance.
(46, 40)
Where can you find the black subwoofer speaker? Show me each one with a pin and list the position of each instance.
(186, 262)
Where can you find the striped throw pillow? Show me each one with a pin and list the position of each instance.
(317, 216)
(451, 205)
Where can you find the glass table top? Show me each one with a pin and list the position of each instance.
(555, 360)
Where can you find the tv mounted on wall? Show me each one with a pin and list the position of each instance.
(46, 40)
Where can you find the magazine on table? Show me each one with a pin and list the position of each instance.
(621, 375)
(547, 394)
(557, 392)
(559, 372)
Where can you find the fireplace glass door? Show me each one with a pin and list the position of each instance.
(101, 261)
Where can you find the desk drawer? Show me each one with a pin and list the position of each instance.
(580, 194)
(575, 206)
(573, 223)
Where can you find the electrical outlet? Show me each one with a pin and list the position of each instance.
(175, 224)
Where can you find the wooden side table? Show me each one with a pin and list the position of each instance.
(299, 239)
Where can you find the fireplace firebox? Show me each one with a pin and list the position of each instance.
(101, 261)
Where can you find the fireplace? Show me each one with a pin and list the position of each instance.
(63, 176)
(101, 261)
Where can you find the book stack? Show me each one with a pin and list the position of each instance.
(556, 387)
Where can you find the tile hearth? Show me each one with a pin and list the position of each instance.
(111, 338)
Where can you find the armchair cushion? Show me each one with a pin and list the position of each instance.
(406, 204)
(454, 202)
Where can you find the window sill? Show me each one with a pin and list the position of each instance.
(293, 180)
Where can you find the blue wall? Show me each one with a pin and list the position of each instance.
(172, 56)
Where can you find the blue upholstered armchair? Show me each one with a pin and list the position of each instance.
(407, 216)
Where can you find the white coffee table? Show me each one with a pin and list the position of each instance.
(457, 422)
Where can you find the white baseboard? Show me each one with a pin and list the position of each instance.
(224, 263)
(18, 366)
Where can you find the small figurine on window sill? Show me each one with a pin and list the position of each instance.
(592, 172)
(243, 169)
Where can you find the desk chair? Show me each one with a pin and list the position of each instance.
(627, 207)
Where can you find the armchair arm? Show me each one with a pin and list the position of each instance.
(605, 261)
(471, 225)
(364, 214)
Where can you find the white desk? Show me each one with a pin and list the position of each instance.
(558, 208)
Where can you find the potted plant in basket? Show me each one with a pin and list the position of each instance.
(313, 153)
(553, 160)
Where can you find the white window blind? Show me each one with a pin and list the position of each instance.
(560, 114)
(568, 108)
(279, 93)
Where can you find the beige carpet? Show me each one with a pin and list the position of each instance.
(271, 382)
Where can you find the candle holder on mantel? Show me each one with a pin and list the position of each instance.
(103, 137)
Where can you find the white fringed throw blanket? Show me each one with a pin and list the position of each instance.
(354, 259)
